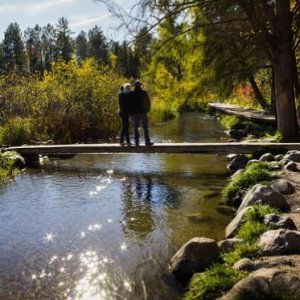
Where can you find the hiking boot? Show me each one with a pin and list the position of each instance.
(149, 143)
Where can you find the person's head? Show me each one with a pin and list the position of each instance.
(126, 88)
(137, 84)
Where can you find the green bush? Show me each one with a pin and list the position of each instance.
(258, 212)
(17, 131)
(7, 165)
(256, 173)
(212, 283)
(241, 250)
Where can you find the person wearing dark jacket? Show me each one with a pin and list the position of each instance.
(139, 107)
(124, 103)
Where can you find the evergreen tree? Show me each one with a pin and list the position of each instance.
(13, 49)
(64, 41)
(48, 40)
(97, 45)
(34, 48)
(81, 46)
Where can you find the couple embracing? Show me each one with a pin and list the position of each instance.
(137, 104)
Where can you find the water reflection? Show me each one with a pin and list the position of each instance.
(137, 198)
(104, 227)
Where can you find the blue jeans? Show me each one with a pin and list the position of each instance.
(137, 119)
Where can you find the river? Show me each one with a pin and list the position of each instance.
(105, 226)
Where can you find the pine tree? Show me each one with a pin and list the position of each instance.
(64, 42)
(81, 46)
(97, 45)
(13, 49)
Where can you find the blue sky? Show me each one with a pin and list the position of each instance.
(81, 14)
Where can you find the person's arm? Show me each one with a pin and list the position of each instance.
(147, 102)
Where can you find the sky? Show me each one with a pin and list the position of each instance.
(81, 14)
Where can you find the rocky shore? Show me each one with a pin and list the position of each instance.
(260, 255)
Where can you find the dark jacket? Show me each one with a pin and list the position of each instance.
(124, 102)
(140, 101)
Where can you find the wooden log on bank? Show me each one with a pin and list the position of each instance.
(244, 113)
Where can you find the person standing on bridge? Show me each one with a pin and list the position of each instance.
(124, 103)
(141, 105)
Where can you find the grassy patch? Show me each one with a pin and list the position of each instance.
(257, 212)
(7, 166)
(256, 173)
(213, 283)
(244, 249)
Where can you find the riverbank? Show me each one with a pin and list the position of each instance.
(259, 259)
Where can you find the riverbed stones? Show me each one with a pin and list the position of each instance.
(233, 227)
(291, 166)
(244, 265)
(283, 187)
(239, 162)
(293, 155)
(267, 157)
(261, 194)
(194, 256)
(228, 244)
(278, 157)
(266, 284)
(279, 222)
(248, 265)
(280, 242)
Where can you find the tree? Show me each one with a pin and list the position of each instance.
(49, 51)
(271, 30)
(34, 48)
(81, 46)
(64, 41)
(13, 49)
(97, 45)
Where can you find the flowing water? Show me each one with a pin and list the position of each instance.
(105, 226)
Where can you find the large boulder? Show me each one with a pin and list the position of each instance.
(291, 166)
(233, 227)
(261, 194)
(248, 265)
(293, 155)
(280, 242)
(239, 162)
(283, 186)
(279, 222)
(267, 157)
(194, 256)
(266, 284)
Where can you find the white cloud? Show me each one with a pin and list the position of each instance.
(34, 8)
(88, 20)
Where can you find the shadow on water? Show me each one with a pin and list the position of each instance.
(104, 227)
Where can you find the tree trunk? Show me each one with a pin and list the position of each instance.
(284, 72)
(258, 95)
(273, 97)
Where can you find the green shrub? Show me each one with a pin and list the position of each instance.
(258, 212)
(7, 165)
(255, 173)
(241, 250)
(17, 131)
(251, 231)
(212, 283)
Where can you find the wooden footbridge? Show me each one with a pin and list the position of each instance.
(257, 116)
(186, 148)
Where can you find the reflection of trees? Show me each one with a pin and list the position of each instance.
(138, 215)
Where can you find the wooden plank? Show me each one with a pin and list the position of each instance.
(244, 113)
(195, 148)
